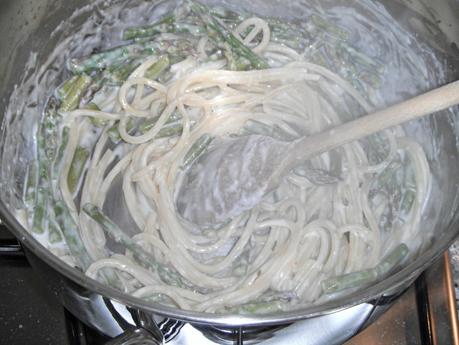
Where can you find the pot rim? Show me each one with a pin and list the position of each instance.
(372, 292)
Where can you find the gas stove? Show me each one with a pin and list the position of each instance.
(29, 314)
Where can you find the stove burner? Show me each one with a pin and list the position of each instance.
(425, 314)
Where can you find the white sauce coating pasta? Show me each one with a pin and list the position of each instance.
(299, 236)
(276, 256)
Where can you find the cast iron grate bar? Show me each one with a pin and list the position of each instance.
(424, 312)
(11, 249)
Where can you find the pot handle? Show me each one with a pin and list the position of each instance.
(136, 336)
(146, 331)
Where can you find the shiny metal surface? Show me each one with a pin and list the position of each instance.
(424, 314)
(113, 318)
(404, 323)
(26, 26)
(138, 336)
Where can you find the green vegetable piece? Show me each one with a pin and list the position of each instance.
(225, 14)
(99, 61)
(170, 129)
(173, 126)
(142, 256)
(98, 82)
(224, 38)
(42, 161)
(260, 308)
(77, 167)
(149, 123)
(94, 120)
(71, 234)
(48, 133)
(235, 63)
(39, 176)
(64, 90)
(389, 174)
(350, 280)
(61, 150)
(365, 277)
(158, 67)
(54, 233)
(114, 134)
(392, 260)
(31, 184)
(148, 30)
(40, 211)
(118, 74)
(196, 150)
(360, 58)
(329, 28)
(257, 127)
(407, 201)
(76, 92)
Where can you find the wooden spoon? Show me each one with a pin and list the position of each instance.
(235, 174)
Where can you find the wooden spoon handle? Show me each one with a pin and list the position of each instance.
(416, 107)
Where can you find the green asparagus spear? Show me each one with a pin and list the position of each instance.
(114, 134)
(102, 60)
(158, 67)
(49, 130)
(94, 120)
(31, 184)
(113, 75)
(40, 215)
(169, 23)
(259, 308)
(170, 129)
(77, 167)
(224, 38)
(407, 201)
(347, 281)
(144, 258)
(54, 231)
(329, 28)
(76, 92)
(71, 234)
(226, 15)
(148, 30)
(356, 279)
(64, 90)
(149, 123)
(392, 260)
(98, 82)
(196, 150)
(61, 150)
(40, 212)
(118, 74)
(235, 63)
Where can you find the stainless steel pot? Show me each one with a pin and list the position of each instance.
(26, 26)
